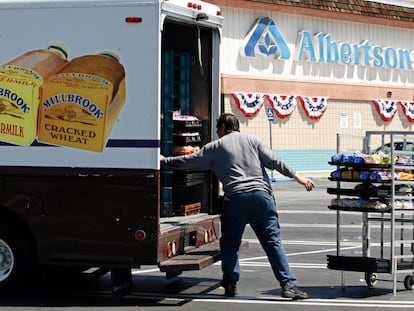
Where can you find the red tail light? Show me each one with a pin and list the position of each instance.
(133, 19)
(140, 235)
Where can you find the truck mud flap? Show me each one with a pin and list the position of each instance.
(196, 259)
(121, 280)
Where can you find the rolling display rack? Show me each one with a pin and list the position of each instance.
(378, 184)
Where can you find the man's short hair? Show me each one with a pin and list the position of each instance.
(229, 121)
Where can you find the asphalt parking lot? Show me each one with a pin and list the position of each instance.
(309, 235)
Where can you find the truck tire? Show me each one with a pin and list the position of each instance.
(16, 259)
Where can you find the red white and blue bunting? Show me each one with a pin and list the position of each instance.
(249, 103)
(284, 105)
(386, 108)
(314, 107)
(408, 108)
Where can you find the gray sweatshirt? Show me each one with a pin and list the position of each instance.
(238, 160)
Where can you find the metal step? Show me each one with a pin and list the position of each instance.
(196, 259)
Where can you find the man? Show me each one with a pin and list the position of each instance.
(239, 161)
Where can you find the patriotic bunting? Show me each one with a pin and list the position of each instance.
(314, 107)
(386, 108)
(248, 103)
(408, 108)
(282, 104)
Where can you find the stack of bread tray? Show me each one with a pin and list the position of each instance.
(186, 136)
(189, 190)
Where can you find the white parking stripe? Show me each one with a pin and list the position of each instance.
(296, 225)
(309, 243)
(292, 265)
(274, 300)
(141, 271)
(327, 212)
(317, 302)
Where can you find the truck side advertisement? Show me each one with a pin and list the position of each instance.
(47, 97)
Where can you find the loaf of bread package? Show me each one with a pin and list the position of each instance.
(80, 104)
(21, 80)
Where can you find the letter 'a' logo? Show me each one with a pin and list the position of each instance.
(265, 39)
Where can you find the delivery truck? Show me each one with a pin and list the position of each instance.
(91, 93)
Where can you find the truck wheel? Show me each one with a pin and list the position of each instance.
(16, 259)
(371, 279)
(409, 282)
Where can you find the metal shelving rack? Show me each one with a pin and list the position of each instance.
(396, 223)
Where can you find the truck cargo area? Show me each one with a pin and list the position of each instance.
(189, 220)
(186, 109)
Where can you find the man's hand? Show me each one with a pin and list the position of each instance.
(309, 184)
(162, 159)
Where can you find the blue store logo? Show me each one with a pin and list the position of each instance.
(266, 39)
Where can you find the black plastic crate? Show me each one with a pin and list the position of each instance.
(359, 264)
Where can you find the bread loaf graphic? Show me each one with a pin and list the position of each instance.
(21, 80)
(81, 102)
(104, 65)
(44, 62)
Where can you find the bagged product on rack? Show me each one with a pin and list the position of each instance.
(349, 174)
(403, 175)
(400, 204)
(379, 175)
(405, 189)
(336, 174)
(355, 157)
(336, 158)
(374, 204)
(358, 203)
(358, 159)
(364, 175)
(345, 173)
(373, 159)
(385, 159)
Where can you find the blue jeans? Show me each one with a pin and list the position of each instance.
(257, 208)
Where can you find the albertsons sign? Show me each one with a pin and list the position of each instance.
(265, 39)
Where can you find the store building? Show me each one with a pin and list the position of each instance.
(297, 73)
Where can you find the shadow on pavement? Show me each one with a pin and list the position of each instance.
(80, 291)
(335, 292)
